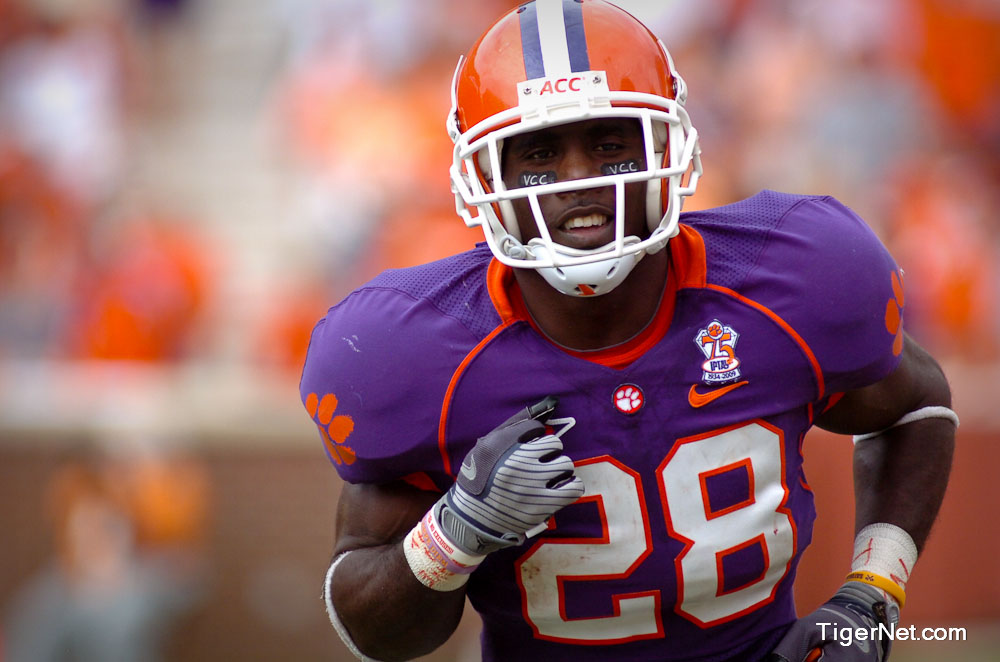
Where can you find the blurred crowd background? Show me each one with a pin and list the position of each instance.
(187, 185)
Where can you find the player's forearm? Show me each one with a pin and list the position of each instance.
(900, 476)
(389, 614)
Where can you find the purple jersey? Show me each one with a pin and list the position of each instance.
(688, 439)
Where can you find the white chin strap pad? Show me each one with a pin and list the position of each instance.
(593, 279)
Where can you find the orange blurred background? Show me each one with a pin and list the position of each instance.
(187, 185)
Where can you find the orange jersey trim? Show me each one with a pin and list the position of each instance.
(421, 481)
(499, 278)
(687, 269)
(450, 392)
(687, 258)
(832, 402)
(803, 345)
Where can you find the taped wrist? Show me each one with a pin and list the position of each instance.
(434, 559)
(884, 555)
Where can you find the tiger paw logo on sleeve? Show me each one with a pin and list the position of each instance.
(333, 429)
(717, 341)
(894, 313)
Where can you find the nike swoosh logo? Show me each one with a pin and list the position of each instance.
(697, 399)
(469, 470)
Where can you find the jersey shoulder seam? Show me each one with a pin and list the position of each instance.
(417, 300)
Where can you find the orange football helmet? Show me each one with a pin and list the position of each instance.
(552, 62)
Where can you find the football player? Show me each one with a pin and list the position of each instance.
(590, 425)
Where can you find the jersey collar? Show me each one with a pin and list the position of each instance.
(687, 270)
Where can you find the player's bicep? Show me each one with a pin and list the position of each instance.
(369, 515)
(916, 382)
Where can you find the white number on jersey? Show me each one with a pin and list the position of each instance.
(708, 534)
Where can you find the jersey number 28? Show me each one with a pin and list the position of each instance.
(708, 536)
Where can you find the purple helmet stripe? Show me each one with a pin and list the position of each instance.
(531, 43)
(576, 39)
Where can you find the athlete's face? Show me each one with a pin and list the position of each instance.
(585, 218)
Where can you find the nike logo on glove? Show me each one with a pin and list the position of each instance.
(697, 399)
(469, 470)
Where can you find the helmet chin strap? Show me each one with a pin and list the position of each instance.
(586, 280)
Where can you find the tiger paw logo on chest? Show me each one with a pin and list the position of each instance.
(717, 341)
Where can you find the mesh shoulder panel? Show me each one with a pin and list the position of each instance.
(736, 235)
(455, 285)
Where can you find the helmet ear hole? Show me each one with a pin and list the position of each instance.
(483, 161)
(654, 204)
(492, 182)
(660, 137)
(509, 218)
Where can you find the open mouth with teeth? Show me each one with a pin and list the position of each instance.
(589, 221)
(587, 230)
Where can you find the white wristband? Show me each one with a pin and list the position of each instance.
(331, 611)
(915, 415)
(434, 560)
(885, 550)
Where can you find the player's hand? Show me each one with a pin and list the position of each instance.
(512, 480)
(831, 632)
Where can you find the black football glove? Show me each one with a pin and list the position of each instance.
(831, 632)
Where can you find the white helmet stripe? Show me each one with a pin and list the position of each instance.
(552, 35)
